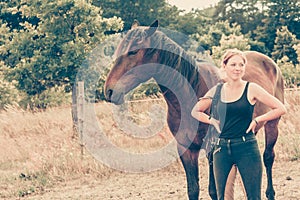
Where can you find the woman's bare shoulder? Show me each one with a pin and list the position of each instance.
(254, 87)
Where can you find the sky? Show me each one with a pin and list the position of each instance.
(189, 4)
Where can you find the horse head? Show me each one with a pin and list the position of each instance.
(133, 54)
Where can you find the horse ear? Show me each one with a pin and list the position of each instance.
(154, 23)
(153, 27)
(135, 24)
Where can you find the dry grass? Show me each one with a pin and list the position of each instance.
(289, 139)
(147, 122)
(40, 149)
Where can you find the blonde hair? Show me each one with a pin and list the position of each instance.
(230, 53)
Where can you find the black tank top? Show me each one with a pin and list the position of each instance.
(236, 116)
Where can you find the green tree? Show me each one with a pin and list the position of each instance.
(284, 43)
(260, 19)
(297, 49)
(290, 72)
(142, 10)
(247, 14)
(230, 42)
(8, 93)
(195, 21)
(212, 34)
(47, 55)
(278, 13)
(10, 14)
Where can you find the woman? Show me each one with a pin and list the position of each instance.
(237, 144)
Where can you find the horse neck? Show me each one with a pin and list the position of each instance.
(196, 77)
(180, 81)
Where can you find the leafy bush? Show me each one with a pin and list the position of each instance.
(290, 72)
(8, 92)
(229, 42)
(149, 89)
(49, 98)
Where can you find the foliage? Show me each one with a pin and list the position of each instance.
(297, 49)
(8, 92)
(142, 10)
(47, 55)
(245, 13)
(291, 73)
(230, 42)
(4, 40)
(260, 19)
(51, 97)
(212, 35)
(284, 43)
(149, 89)
(10, 15)
(190, 23)
(277, 13)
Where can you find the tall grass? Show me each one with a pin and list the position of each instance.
(289, 139)
(42, 146)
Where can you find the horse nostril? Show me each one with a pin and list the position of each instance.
(109, 94)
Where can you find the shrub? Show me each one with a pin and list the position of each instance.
(291, 73)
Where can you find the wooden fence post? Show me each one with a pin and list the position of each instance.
(80, 110)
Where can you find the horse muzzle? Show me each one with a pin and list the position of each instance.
(114, 97)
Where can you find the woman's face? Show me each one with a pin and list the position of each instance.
(235, 67)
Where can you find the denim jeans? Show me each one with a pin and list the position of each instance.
(244, 153)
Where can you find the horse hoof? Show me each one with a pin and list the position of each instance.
(213, 196)
(270, 196)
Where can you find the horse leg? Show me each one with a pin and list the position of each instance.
(189, 159)
(211, 183)
(271, 135)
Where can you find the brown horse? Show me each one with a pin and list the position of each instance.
(146, 52)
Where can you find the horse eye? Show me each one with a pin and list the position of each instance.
(130, 53)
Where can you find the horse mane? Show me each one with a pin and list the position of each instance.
(173, 55)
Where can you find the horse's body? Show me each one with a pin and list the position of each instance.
(141, 54)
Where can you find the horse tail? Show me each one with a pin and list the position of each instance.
(272, 67)
(279, 90)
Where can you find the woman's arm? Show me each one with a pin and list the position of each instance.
(277, 108)
(204, 103)
(198, 112)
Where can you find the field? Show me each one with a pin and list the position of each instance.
(41, 157)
